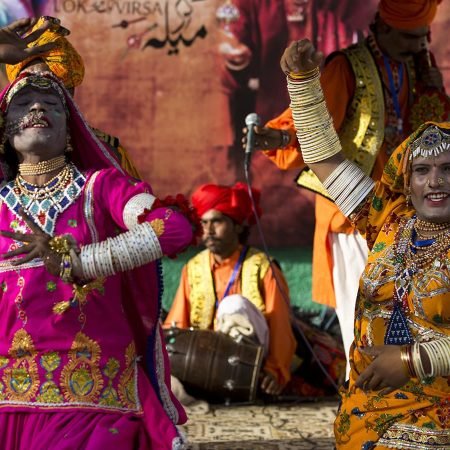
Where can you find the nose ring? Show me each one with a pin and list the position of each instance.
(440, 181)
(428, 182)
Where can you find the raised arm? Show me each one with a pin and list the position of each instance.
(321, 149)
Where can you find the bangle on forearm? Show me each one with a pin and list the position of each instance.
(348, 186)
(406, 356)
(304, 75)
(438, 352)
(315, 130)
(124, 252)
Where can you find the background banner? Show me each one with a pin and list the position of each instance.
(174, 79)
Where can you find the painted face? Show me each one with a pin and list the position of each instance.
(220, 233)
(36, 122)
(430, 187)
(402, 44)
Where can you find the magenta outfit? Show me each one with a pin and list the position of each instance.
(95, 376)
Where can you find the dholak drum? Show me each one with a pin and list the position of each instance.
(214, 366)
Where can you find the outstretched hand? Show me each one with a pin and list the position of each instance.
(14, 41)
(386, 371)
(36, 245)
(300, 56)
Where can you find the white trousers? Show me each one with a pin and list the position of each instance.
(349, 259)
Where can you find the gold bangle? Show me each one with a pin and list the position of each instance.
(304, 75)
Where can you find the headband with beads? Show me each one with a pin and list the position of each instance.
(43, 80)
(432, 142)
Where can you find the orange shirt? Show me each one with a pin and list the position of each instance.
(281, 339)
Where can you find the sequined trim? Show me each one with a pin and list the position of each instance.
(6, 266)
(411, 437)
(168, 405)
(89, 206)
(135, 207)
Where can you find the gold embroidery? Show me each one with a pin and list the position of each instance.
(81, 379)
(158, 226)
(22, 379)
(127, 383)
(49, 392)
(109, 395)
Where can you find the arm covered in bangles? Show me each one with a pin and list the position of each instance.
(319, 142)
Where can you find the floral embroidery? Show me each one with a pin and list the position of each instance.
(49, 392)
(22, 379)
(127, 385)
(51, 286)
(81, 379)
(109, 395)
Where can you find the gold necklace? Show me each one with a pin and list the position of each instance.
(57, 184)
(42, 167)
(424, 226)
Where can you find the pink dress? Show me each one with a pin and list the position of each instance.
(95, 376)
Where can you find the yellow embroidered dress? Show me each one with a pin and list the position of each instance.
(417, 416)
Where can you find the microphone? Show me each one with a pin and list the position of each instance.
(251, 120)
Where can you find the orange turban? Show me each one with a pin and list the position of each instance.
(408, 14)
(64, 61)
(233, 201)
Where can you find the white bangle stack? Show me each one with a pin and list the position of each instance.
(438, 352)
(124, 252)
(135, 207)
(315, 130)
(348, 186)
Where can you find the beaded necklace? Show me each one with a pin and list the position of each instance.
(44, 203)
(412, 256)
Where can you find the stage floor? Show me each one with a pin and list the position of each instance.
(270, 427)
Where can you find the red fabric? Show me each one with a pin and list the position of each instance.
(233, 201)
(408, 14)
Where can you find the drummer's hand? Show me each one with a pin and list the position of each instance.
(13, 43)
(265, 138)
(300, 56)
(269, 384)
(386, 371)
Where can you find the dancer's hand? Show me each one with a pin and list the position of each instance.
(300, 57)
(36, 245)
(386, 371)
(14, 40)
(265, 138)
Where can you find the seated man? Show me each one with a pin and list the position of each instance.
(227, 267)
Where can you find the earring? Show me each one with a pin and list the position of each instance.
(69, 147)
(408, 197)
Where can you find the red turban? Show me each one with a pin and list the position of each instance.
(233, 201)
(408, 14)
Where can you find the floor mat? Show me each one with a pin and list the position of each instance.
(269, 427)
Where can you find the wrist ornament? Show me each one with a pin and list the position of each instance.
(285, 138)
(64, 245)
(315, 130)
